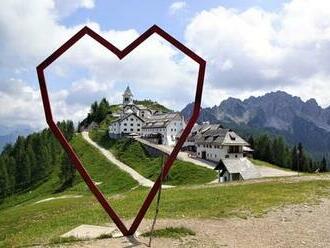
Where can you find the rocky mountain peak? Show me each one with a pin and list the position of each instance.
(275, 111)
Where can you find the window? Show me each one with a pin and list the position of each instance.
(138, 129)
(125, 129)
(138, 124)
(233, 149)
(131, 124)
(132, 119)
(131, 129)
(125, 124)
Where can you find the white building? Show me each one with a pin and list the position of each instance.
(213, 142)
(164, 127)
(128, 124)
(135, 119)
(237, 169)
(226, 148)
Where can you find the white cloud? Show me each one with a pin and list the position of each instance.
(66, 7)
(248, 53)
(18, 103)
(257, 50)
(176, 6)
(88, 71)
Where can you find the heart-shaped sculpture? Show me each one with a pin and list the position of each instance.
(120, 54)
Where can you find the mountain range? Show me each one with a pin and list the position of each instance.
(9, 135)
(276, 113)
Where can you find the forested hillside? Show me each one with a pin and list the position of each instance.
(275, 151)
(33, 159)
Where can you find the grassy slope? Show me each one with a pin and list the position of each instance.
(40, 223)
(266, 164)
(134, 154)
(153, 105)
(113, 179)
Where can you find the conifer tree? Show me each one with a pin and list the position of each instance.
(323, 165)
(4, 180)
(251, 141)
(11, 170)
(294, 159)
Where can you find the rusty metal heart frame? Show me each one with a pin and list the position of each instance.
(120, 54)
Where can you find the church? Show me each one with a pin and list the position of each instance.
(138, 120)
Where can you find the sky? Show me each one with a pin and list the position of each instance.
(251, 48)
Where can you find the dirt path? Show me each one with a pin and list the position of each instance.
(181, 156)
(138, 177)
(58, 198)
(292, 226)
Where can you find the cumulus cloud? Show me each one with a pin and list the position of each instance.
(248, 52)
(88, 71)
(257, 51)
(64, 8)
(18, 104)
(21, 105)
(176, 6)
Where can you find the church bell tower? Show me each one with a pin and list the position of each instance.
(127, 96)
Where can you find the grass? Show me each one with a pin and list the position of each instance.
(266, 164)
(100, 169)
(29, 223)
(44, 188)
(105, 236)
(134, 154)
(170, 232)
(24, 223)
(63, 240)
(153, 105)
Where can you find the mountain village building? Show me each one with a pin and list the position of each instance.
(135, 119)
(213, 142)
(165, 127)
(225, 148)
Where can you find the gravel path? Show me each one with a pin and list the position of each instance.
(273, 172)
(138, 177)
(181, 155)
(291, 226)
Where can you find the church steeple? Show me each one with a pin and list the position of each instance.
(127, 96)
